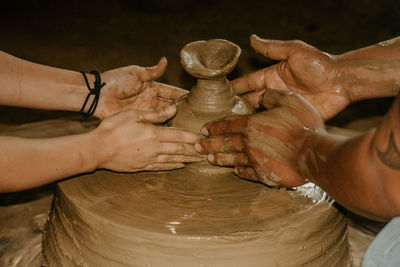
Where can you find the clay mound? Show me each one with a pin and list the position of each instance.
(183, 218)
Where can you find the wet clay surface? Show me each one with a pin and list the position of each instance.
(21, 229)
(180, 218)
(211, 59)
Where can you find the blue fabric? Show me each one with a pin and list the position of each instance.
(384, 251)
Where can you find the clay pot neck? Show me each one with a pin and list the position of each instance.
(211, 97)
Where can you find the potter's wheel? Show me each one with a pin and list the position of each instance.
(176, 219)
(197, 216)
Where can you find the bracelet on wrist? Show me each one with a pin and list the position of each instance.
(95, 92)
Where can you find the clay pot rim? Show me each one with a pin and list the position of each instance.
(209, 73)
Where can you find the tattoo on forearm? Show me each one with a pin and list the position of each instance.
(391, 156)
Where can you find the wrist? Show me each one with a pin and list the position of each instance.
(101, 147)
(316, 152)
(91, 152)
(101, 112)
(343, 78)
(365, 78)
(305, 165)
(75, 91)
(91, 102)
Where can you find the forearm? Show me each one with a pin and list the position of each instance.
(343, 168)
(370, 72)
(361, 173)
(31, 85)
(27, 163)
(386, 50)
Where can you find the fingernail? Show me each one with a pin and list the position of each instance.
(198, 147)
(210, 157)
(256, 38)
(163, 59)
(204, 131)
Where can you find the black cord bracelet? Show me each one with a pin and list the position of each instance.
(97, 85)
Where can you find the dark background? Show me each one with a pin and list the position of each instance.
(86, 35)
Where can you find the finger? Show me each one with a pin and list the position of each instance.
(164, 166)
(232, 124)
(279, 50)
(228, 159)
(178, 136)
(223, 143)
(247, 173)
(168, 91)
(179, 158)
(163, 103)
(283, 98)
(157, 115)
(255, 98)
(266, 176)
(257, 80)
(156, 71)
(177, 149)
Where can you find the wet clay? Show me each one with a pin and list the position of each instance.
(181, 218)
(212, 97)
(201, 215)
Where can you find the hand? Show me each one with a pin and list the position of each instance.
(302, 69)
(129, 142)
(133, 87)
(264, 146)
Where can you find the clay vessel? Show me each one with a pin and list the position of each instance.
(212, 96)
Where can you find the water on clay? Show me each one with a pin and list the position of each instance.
(198, 216)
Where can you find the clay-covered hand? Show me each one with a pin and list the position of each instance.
(130, 142)
(133, 87)
(264, 146)
(302, 69)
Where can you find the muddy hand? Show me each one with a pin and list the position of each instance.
(130, 142)
(302, 69)
(264, 146)
(133, 87)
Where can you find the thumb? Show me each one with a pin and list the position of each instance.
(156, 71)
(280, 98)
(158, 115)
(274, 98)
(279, 50)
(255, 98)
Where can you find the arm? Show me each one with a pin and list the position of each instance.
(361, 173)
(370, 72)
(31, 85)
(27, 163)
(288, 145)
(126, 142)
(329, 82)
